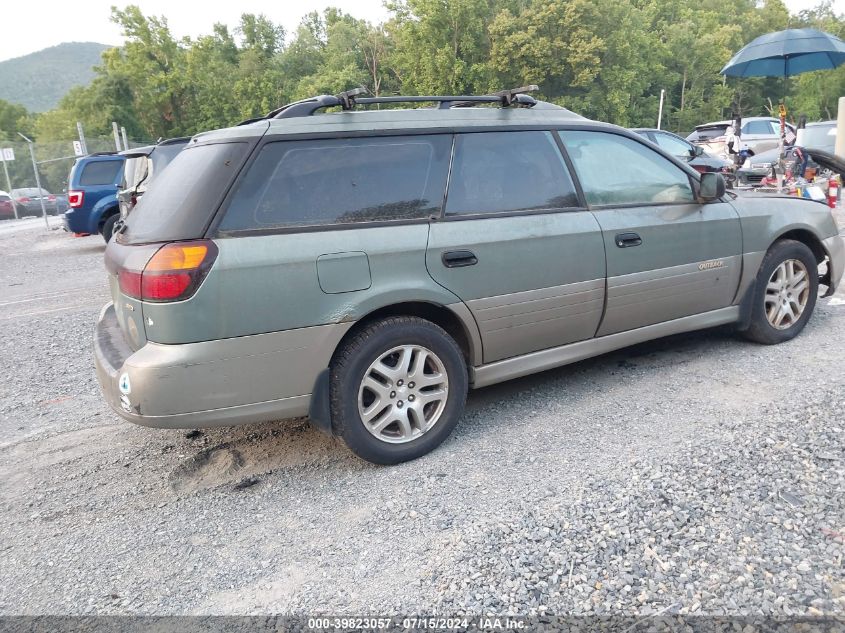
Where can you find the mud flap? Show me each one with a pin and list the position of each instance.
(826, 281)
(319, 411)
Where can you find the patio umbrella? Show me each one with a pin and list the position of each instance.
(787, 53)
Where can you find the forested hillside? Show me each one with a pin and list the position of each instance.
(606, 59)
(38, 81)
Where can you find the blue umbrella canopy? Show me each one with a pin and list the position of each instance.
(787, 53)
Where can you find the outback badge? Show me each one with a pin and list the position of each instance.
(713, 263)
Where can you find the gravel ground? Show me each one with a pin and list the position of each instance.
(696, 474)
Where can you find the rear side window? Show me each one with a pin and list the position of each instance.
(101, 172)
(497, 172)
(639, 175)
(180, 204)
(341, 181)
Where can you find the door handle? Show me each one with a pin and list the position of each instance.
(459, 259)
(625, 240)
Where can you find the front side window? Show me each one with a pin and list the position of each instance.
(496, 172)
(341, 181)
(617, 170)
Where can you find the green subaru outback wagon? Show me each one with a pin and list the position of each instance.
(366, 267)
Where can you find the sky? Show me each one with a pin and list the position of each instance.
(30, 25)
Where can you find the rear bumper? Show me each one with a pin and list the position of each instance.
(77, 221)
(213, 383)
(835, 247)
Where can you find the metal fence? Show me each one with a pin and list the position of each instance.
(53, 161)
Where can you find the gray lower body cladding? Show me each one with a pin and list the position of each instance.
(213, 383)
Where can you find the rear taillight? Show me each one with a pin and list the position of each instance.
(51, 198)
(23, 200)
(173, 273)
(75, 198)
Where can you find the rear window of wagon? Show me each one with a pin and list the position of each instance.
(180, 204)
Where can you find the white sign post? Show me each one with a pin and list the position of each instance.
(77, 148)
(7, 154)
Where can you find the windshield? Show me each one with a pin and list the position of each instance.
(180, 204)
(820, 136)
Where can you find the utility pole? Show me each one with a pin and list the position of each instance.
(660, 110)
(37, 179)
(116, 133)
(123, 135)
(82, 138)
(9, 184)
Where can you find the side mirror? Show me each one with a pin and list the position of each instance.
(712, 186)
(697, 150)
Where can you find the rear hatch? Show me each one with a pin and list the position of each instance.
(711, 138)
(158, 254)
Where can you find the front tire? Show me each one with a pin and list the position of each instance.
(398, 388)
(108, 227)
(785, 293)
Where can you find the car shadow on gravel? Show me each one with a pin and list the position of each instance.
(663, 352)
(240, 457)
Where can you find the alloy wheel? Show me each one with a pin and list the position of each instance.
(403, 394)
(787, 294)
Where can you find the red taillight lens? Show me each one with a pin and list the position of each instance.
(164, 286)
(75, 198)
(23, 200)
(173, 273)
(51, 198)
(130, 283)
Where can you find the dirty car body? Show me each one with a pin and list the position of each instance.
(296, 266)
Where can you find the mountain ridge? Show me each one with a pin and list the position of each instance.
(39, 80)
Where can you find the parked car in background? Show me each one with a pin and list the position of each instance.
(92, 194)
(815, 136)
(28, 201)
(7, 207)
(367, 268)
(143, 165)
(695, 155)
(757, 133)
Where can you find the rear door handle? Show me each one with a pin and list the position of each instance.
(626, 240)
(459, 259)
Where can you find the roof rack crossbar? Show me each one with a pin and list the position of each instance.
(350, 98)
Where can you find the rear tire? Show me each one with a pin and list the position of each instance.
(108, 226)
(785, 293)
(398, 388)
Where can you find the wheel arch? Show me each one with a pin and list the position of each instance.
(106, 212)
(456, 319)
(806, 237)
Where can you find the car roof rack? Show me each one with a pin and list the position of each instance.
(174, 140)
(349, 99)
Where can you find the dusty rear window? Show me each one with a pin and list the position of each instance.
(180, 203)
